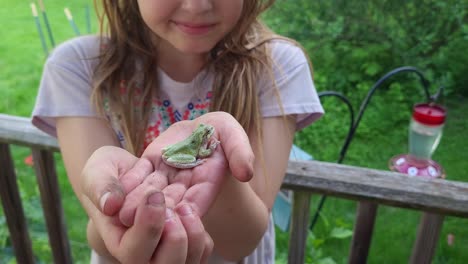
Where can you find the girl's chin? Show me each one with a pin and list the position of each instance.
(195, 50)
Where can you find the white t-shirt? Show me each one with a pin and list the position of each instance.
(65, 90)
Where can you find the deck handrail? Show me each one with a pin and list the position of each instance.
(357, 183)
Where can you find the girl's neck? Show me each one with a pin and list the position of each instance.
(181, 67)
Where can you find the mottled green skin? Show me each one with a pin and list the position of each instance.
(190, 152)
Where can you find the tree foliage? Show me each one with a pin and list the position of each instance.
(353, 43)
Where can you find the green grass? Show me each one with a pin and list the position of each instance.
(21, 54)
(21, 60)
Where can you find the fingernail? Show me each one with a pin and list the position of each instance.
(169, 214)
(102, 201)
(156, 199)
(185, 210)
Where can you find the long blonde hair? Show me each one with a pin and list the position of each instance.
(237, 60)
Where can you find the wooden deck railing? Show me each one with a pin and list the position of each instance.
(435, 198)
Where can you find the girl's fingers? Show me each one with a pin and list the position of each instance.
(136, 175)
(154, 181)
(173, 246)
(136, 244)
(209, 246)
(195, 233)
(141, 240)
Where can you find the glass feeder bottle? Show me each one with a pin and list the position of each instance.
(425, 130)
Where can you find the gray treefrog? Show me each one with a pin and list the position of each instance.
(191, 151)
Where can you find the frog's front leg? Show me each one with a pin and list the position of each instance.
(206, 151)
(182, 161)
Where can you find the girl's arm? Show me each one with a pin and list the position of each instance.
(240, 215)
(78, 138)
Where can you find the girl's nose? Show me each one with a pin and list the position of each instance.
(197, 6)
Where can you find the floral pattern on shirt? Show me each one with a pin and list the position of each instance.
(163, 114)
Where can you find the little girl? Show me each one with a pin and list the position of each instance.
(155, 63)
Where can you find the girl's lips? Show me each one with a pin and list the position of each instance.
(194, 29)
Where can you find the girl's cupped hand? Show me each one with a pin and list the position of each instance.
(146, 210)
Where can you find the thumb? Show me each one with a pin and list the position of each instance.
(100, 178)
(235, 143)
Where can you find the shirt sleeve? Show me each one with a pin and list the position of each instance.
(293, 90)
(65, 86)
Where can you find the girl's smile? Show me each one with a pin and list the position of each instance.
(195, 29)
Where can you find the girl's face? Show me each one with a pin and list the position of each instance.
(190, 26)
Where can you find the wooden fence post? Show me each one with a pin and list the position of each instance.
(363, 230)
(13, 208)
(426, 241)
(52, 205)
(299, 227)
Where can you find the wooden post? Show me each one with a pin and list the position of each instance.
(51, 202)
(299, 227)
(426, 241)
(363, 230)
(13, 208)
